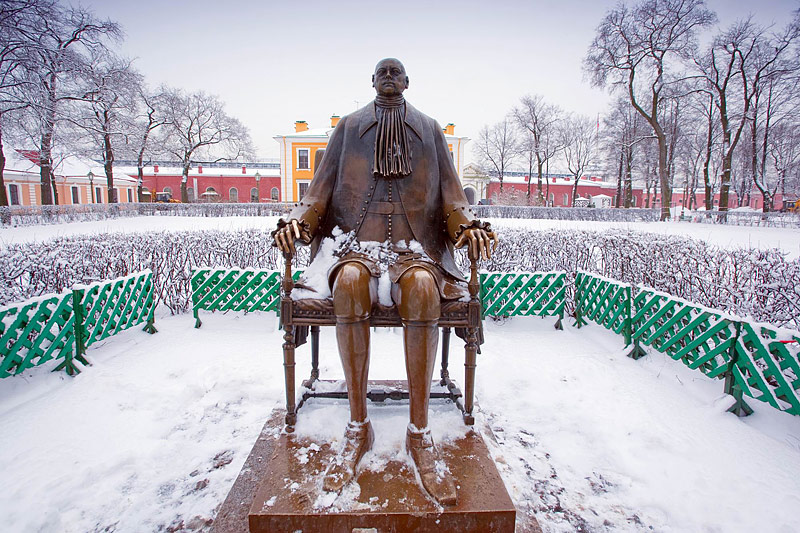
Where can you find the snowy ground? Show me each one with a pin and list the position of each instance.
(155, 432)
(724, 236)
(152, 436)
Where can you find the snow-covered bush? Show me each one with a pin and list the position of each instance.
(758, 284)
(57, 214)
(566, 213)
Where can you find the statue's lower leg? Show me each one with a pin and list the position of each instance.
(419, 306)
(352, 303)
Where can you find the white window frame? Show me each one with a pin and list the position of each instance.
(308, 158)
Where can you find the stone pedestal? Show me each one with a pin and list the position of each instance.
(283, 477)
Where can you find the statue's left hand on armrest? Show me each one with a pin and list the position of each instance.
(482, 241)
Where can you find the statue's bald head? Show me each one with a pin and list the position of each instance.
(390, 77)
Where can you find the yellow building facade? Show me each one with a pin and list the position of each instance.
(298, 155)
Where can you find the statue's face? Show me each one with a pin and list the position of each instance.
(390, 78)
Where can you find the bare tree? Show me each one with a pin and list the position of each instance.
(496, 148)
(736, 66)
(539, 121)
(785, 152)
(623, 133)
(198, 126)
(65, 35)
(579, 140)
(19, 27)
(635, 49)
(150, 115)
(111, 85)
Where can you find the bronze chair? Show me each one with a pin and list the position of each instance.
(298, 316)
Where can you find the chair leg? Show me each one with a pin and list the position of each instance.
(314, 353)
(288, 369)
(470, 363)
(445, 356)
(309, 383)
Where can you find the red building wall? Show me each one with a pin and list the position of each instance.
(221, 184)
(558, 189)
(562, 187)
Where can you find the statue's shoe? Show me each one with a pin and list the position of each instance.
(358, 439)
(436, 478)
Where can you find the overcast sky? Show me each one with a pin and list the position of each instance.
(468, 61)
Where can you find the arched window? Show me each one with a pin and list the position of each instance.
(552, 199)
(168, 190)
(190, 193)
(233, 195)
(254, 195)
(566, 199)
(211, 189)
(633, 201)
(275, 194)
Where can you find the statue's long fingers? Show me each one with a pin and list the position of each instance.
(461, 241)
(280, 238)
(484, 244)
(296, 229)
(290, 240)
(487, 246)
(473, 247)
(496, 241)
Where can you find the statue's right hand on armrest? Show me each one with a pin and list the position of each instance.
(288, 232)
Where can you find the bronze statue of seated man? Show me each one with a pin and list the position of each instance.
(387, 176)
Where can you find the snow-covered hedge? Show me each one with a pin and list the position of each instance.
(57, 214)
(760, 284)
(566, 213)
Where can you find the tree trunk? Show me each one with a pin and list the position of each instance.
(108, 164)
(539, 184)
(139, 181)
(184, 180)
(46, 164)
(575, 191)
(663, 176)
(707, 162)
(3, 195)
(725, 182)
(530, 179)
(629, 177)
(618, 200)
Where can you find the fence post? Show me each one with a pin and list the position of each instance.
(579, 321)
(150, 327)
(739, 407)
(637, 352)
(79, 318)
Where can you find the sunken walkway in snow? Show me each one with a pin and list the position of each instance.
(152, 436)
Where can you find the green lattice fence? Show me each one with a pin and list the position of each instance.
(218, 289)
(755, 360)
(523, 293)
(604, 301)
(36, 331)
(699, 337)
(62, 326)
(104, 309)
(767, 366)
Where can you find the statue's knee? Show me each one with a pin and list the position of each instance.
(419, 296)
(351, 296)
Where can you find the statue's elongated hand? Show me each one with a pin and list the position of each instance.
(286, 236)
(481, 242)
